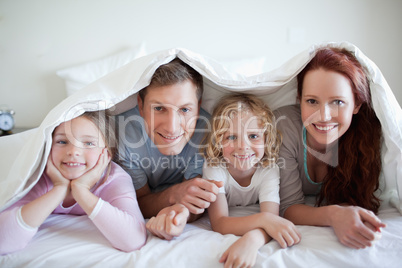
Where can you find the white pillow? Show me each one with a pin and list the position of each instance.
(79, 76)
(246, 66)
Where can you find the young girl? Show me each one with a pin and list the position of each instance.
(79, 179)
(242, 149)
(335, 118)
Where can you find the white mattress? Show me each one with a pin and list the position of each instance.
(73, 241)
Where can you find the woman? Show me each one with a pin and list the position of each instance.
(335, 118)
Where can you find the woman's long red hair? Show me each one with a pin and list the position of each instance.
(356, 178)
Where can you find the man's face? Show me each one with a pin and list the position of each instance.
(170, 114)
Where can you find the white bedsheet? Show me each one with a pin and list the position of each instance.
(73, 241)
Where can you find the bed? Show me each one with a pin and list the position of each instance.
(72, 241)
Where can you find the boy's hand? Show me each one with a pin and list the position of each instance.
(242, 253)
(282, 230)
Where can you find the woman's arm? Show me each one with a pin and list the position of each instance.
(290, 157)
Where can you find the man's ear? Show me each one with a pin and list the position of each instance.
(140, 105)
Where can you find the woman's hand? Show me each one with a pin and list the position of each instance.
(282, 230)
(354, 226)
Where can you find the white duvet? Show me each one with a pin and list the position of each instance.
(23, 159)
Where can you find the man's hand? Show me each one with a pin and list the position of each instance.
(169, 222)
(196, 194)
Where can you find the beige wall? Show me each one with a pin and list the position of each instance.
(39, 37)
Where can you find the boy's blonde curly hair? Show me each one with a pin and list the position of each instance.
(227, 108)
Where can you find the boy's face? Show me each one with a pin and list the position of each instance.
(170, 114)
(243, 143)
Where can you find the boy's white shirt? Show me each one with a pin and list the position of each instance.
(264, 185)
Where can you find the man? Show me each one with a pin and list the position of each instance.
(159, 143)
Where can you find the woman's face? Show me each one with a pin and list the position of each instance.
(327, 107)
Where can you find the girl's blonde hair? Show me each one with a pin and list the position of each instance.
(227, 108)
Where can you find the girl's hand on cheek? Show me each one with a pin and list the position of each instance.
(54, 174)
(92, 176)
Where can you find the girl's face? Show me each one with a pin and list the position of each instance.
(243, 143)
(327, 107)
(77, 145)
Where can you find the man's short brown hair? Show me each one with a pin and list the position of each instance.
(172, 73)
